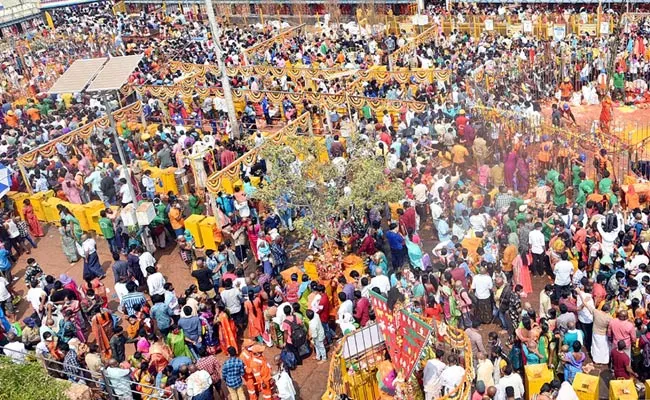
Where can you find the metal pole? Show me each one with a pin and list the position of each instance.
(120, 150)
(21, 167)
(227, 91)
(310, 127)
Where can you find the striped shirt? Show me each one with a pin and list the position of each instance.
(130, 300)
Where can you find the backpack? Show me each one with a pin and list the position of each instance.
(288, 359)
(298, 333)
(611, 222)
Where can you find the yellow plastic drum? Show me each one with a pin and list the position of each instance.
(536, 376)
(622, 390)
(18, 198)
(37, 200)
(168, 180)
(192, 225)
(79, 212)
(210, 233)
(52, 215)
(91, 210)
(586, 386)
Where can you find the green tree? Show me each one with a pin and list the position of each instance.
(323, 189)
(29, 381)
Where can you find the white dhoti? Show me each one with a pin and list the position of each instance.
(600, 349)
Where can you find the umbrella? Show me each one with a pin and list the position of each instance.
(5, 180)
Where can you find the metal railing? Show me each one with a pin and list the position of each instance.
(98, 382)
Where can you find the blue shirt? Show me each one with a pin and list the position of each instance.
(129, 300)
(5, 263)
(162, 314)
(232, 372)
(178, 362)
(191, 327)
(395, 240)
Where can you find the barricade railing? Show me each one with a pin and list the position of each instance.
(97, 381)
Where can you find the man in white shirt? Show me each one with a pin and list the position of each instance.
(198, 382)
(482, 285)
(155, 281)
(380, 281)
(563, 271)
(451, 376)
(146, 260)
(346, 307)
(36, 297)
(15, 349)
(231, 297)
(125, 193)
(537, 245)
(513, 380)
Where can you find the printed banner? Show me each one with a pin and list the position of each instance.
(404, 333)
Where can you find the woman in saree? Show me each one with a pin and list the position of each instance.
(452, 313)
(101, 326)
(543, 343)
(509, 169)
(99, 290)
(146, 382)
(71, 190)
(573, 362)
(252, 231)
(35, 228)
(159, 354)
(67, 328)
(76, 317)
(522, 176)
(73, 224)
(69, 283)
(414, 250)
(606, 113)
(521, 273)
(177, 344)
(227, 329)
(253, 307)
(68, 244)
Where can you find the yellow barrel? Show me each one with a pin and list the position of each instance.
(91, 209)
(536, 376)
(586, 386)
(52, 215)
(156, 174)
(79, 212)
(18, 198)
(192, 225)
(93, 219)
(168, 180)
(37, 200)
(647, 389)
(623, 389)
(210, 233)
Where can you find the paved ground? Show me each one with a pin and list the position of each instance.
(311, 378)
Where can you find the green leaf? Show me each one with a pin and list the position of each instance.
(29, 381)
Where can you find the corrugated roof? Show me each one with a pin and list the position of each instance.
(77, 76)
(115, 73)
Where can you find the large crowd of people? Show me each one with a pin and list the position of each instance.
(492, 216)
